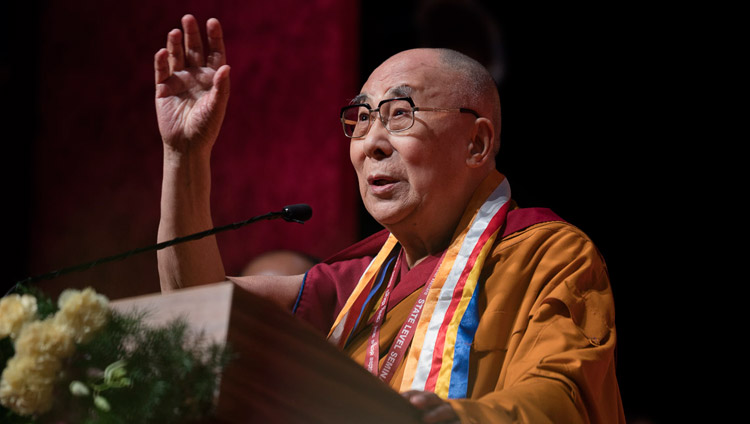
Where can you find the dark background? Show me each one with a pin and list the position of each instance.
(589, 129)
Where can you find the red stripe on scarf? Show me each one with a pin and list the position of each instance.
(437, 353)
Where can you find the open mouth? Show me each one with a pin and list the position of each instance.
(381, 184)
(380, 180)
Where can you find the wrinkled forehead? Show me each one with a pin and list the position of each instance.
(424, 79)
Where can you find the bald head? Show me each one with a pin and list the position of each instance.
(474, 86)
(468, 81)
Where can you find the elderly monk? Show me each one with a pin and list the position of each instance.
(475, 309)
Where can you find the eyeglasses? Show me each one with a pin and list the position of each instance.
(397, 115)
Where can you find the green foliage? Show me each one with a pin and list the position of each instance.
(44, 304)
(6, 352)
(173, 375)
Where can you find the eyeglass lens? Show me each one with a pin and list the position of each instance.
(396, 115)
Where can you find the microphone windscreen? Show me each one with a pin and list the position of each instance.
(297, 213)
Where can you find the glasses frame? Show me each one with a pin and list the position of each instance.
(385, 123)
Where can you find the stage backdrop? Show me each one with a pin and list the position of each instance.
(97, 156)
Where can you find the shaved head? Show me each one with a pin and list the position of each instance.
(467, 81)
(475, 86)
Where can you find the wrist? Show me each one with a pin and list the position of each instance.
(186, 181)
(178, 157)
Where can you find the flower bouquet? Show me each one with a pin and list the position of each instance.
(78, 361)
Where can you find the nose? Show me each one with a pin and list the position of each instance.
(377, 144)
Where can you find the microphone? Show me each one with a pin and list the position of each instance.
(293, 213)
(297, 213)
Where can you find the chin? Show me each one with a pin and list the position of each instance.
(387, 215)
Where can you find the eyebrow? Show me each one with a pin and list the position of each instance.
(361, 98)
(399, 91)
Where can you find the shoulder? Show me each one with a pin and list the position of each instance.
(548, 250)
(554, 263)
(521, 218)
(535, 228)
(327, 285)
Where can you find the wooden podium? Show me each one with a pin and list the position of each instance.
(283, 372)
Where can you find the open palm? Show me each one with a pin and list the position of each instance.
(192, 89)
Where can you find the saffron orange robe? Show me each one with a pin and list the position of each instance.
(544, 347)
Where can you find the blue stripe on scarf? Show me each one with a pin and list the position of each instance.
(299, 295)
(464, 338)
(374, 290)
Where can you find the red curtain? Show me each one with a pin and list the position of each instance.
(97, 157)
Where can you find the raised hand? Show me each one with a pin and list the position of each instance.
(192, 87)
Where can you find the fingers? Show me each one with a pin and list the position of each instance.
(193, 43)
(221, 79)
(221, 87)
(176, 57)
(422, 399)
(176, 53)
(216, 53)
(161, 66)
(442, 414)
(434, 409)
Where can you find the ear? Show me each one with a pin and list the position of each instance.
(480, 147)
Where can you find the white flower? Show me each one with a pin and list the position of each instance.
(15, 311)
(28, 382)
(45, 337)
(79, 389)
(83, 311)
(101, 403)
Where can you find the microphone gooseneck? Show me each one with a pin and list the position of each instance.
(293, 213)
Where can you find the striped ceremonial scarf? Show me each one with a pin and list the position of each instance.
(438, 360)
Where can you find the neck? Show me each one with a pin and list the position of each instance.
(430, 232)
(416, 248)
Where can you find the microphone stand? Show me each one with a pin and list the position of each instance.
(293, 213)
